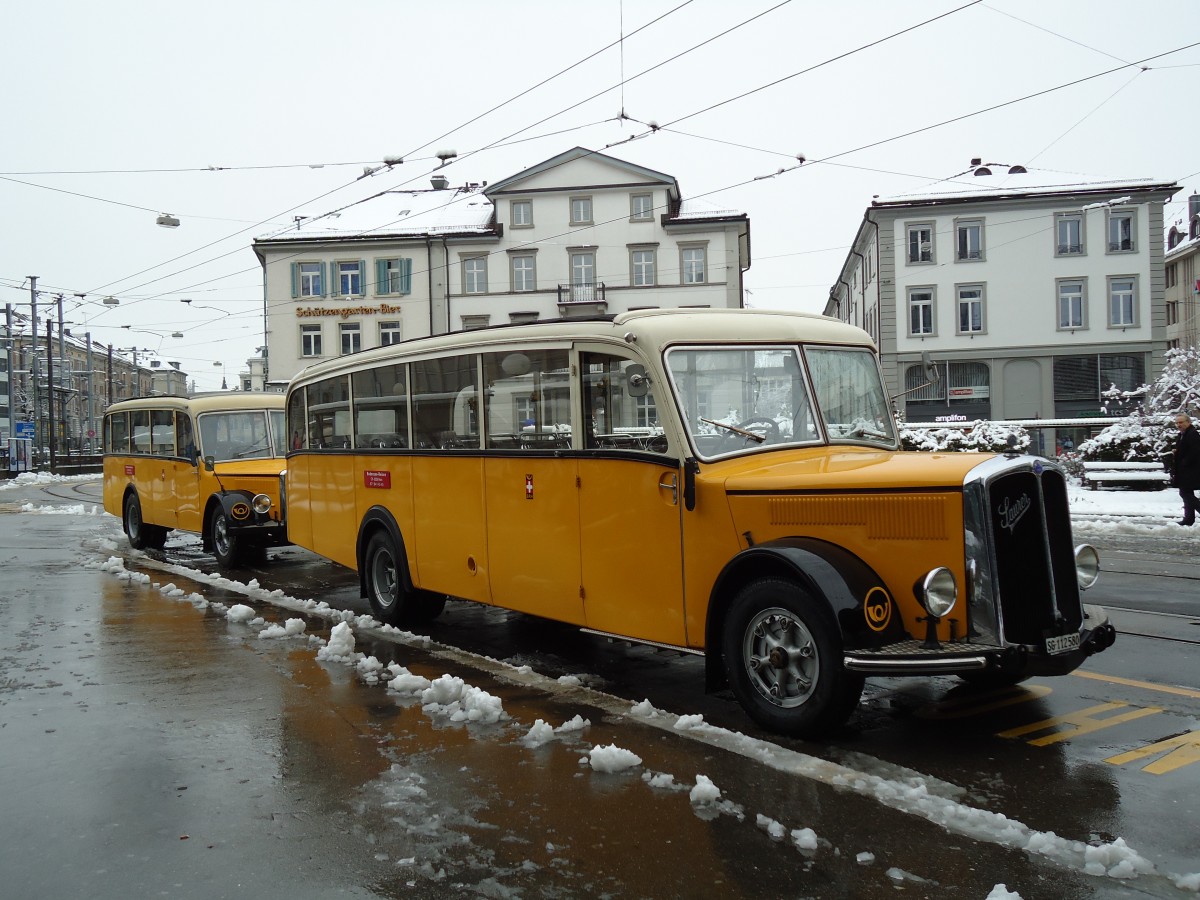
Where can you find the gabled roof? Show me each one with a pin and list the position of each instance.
(640, 173)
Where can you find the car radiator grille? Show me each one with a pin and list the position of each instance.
(1035, 561)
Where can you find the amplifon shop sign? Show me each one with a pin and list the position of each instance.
(345, 312)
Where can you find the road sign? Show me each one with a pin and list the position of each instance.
(24, 430)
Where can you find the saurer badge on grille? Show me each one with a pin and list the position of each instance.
(1010, 511)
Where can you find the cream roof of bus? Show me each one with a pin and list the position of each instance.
(651, 328)
(202, 403)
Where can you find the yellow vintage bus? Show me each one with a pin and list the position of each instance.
(209, 464)
(727, 483)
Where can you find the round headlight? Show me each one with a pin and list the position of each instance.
(1087, 566)
(261, 504)
(939, 591)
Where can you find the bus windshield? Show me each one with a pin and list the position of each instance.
(243, 434)
(850, 394)
(734, 399)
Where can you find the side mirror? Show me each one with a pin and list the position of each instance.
(638, 385)
(210, 463)
(930, 367)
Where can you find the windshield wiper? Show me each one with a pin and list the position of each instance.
(757, 438)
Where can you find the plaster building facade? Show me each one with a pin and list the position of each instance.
(1031, 295)
(582, 233)
(1182, 280)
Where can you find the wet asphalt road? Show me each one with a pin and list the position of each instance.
(149, 747)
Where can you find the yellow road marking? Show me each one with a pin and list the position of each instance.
(1177, 752)
(1146, 685)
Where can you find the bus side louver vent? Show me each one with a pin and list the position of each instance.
(903, 518)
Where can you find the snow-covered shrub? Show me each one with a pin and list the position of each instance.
(985, 437)
(1134, 439)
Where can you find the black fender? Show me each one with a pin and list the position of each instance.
(238, 508)
(855, 596)
(379, 517)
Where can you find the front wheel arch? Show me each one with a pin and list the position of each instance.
(387, 583)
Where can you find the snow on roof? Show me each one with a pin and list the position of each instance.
(997, 182)
(396, 212)
(702, 209)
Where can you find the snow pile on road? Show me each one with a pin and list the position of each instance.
(542, 732)
(704, 791)
(1001, 892)
(71, 509)
(340, 647)
(611, 759)
(35, 479)
(241, 613)
(450, 697)
(290, 628)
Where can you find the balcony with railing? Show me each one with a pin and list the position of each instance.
(585, 293)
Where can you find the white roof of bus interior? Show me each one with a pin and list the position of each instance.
(648, 328)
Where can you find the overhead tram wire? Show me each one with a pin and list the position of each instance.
(460, 157)
(314, 199)
(881, 142)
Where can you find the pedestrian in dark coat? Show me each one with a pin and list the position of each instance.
(1187, 466)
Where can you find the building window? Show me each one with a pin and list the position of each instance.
(694, 264)
(474, 275)
(641, 207)
(1121, 229)
(968, 240)
(389, 333)
(641, 268)
(393, 276)
(350, 278)
(1068, 234)
(1122, 301)
(1172, 275)
(921, 317)
(970, 309)
(920, 243)
(308, 279)
(310, 340)
(522, 213)
(1072, 304)
(351, 333)
(583, 269)
(581, 210)
(524, 276)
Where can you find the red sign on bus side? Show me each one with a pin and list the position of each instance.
(373, 479)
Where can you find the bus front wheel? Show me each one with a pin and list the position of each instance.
(226, 547)
(784, 662)
(389, 601)
(141, 535)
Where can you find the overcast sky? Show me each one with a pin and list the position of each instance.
(115, 111)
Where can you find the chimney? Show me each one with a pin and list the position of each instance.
(1193, 205)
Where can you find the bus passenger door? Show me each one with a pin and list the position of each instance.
(530, 482)
(630, 496)
(161, 508)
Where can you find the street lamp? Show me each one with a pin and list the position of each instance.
(166, 220)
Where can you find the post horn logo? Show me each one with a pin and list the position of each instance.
(240, 511)
(877, 609)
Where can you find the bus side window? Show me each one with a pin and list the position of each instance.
(329, 414)
(117, 433)
(139, 429)
(614, 419)
(445, 403)
(162, 432)
(528, 399)
(184, 439)
(381, 408)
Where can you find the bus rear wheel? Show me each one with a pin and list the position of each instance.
(783, 659)
(141, 535)
(226, 547)
(390, 602)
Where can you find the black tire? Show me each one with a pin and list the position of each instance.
(141, 535)
(783, 656)
(390, 603)
(227, 548)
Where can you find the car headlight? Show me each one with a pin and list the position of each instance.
(939, 592)
(1087, 566)
(261, 504)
